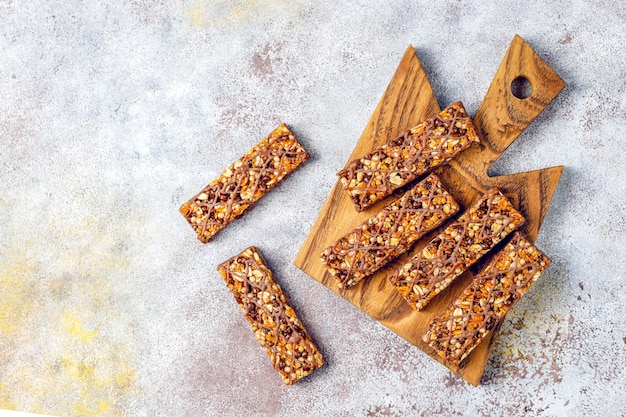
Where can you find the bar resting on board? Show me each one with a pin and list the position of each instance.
(487, 300)
(389, 233)
(478, 230)
(431, 143)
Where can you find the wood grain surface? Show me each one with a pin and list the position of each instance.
(501, 118)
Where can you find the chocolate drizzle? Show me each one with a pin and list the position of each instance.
(487, 300)
(274, 322)
(459, 246)
(413, 153)
(244, 183)
(390, 232)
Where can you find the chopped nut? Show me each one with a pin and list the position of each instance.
(395, 179)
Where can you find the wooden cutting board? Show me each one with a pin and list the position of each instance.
(501, 118)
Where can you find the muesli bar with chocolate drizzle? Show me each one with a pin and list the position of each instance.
(433, 142)
(274, 322)
(460, 245)
(243, 183)
(487, 300)
(390, 232)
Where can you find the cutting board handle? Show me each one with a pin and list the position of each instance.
(503, 116)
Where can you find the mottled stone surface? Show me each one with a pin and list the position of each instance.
(113, 113)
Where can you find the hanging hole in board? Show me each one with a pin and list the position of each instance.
(521, 88)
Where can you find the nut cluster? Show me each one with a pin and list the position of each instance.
(389, 233)
(460, 245)
(243, 183)
(487, 300)
(274, 322)
(416, 151)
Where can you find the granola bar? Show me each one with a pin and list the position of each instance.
(274, 322)
(243, 183)
(390, 232)
(459, 246)
(487, 300)
(416, 151)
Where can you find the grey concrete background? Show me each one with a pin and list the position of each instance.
(113, 113)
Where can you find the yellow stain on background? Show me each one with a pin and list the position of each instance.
(74, 327)
(220, 13)
(16, 295)
(96, 382)
(5, 398)
(58, 355)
